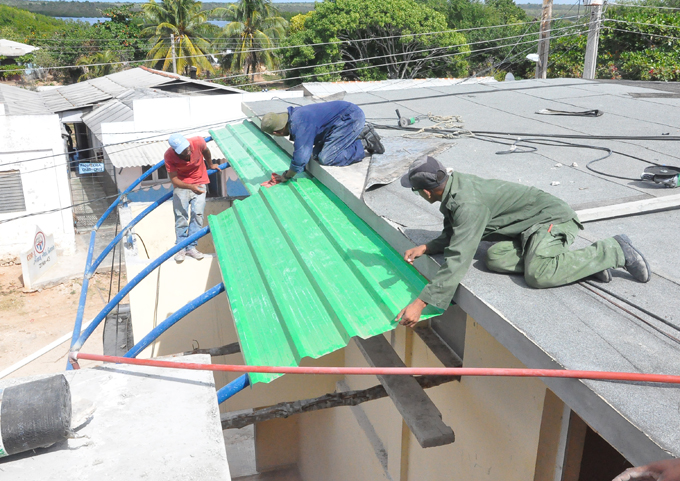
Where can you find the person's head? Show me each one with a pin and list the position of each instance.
(427, 177)
(275, 124)
(181, 146)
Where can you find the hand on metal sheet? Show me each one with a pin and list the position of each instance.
(275, 179)
(412, 254)
(410, 315)
(666, 470)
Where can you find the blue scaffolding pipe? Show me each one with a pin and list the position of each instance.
(127, 191)
(235, 386)
(89, 269)
(136, 280)
(93, 268)
(174, 318)
(89, 272)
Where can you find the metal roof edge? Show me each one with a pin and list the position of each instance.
(596, 411)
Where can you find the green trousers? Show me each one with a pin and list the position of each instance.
(543, 256)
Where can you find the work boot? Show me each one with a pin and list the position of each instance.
(636, 264)
(371, 140)
(195, 253)
(604, 276)
(179, 257)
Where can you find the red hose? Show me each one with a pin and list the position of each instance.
(410, 371)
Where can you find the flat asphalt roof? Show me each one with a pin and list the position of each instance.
(567, 327)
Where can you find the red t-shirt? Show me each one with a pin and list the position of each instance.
(194, 171)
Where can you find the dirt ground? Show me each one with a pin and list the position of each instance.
(31, 320)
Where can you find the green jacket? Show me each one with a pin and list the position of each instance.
(478, 209)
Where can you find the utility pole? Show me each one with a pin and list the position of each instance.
(590, 63)
(174, 60)
(544, 40)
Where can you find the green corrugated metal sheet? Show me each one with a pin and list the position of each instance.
(303, 273)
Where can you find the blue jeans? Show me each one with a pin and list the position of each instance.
(181, 200)
(342, 147)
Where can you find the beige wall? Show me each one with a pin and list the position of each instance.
(497, 423)
(172, 285)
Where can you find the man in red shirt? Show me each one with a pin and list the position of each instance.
(187, 162)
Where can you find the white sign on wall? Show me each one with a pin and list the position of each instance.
(41, 256)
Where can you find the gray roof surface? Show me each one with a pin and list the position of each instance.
(18, 101)
(567, 327)
(90, 92)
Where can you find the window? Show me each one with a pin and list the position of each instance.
(11, 192)
(159, 175)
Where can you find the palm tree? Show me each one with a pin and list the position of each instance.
(108, 62)
(256, 25)
(185, 20)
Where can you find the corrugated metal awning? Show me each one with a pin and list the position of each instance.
(302, 271)
(141, 154)
(136, 154)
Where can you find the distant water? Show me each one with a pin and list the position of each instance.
(93, 20)
(89, 20)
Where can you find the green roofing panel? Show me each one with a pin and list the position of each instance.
(302, 271)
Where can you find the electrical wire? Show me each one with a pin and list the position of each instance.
(641, 6)
(278, 48)
(641, 23)
(641, 33)
(627, 311)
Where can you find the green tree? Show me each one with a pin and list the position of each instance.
(256, 26)
(374, 40)
(99, 64)
(636, 44)
(125, 26)
(184, 19)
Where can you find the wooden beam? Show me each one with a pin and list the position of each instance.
(439, 348)
(232, 348)
(629, 208)
(419, 412)
(336, 399)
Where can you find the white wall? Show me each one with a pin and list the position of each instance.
(189, 114)
(45, 182)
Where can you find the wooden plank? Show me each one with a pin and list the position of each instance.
(439, 348)
(419, 412)
(629, 208)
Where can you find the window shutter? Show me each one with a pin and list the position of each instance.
(11, 192)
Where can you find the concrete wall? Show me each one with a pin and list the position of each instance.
(497, 422)
(45, 182)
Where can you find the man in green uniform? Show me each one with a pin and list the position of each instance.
(534, 230)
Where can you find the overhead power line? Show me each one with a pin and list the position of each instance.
(293, 46)
(641, 23)
(641, 33)
(641, 6)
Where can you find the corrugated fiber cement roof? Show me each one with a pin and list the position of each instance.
(302, 271)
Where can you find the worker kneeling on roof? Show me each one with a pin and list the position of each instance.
(533, 228)
(334, 133)
(187, 161)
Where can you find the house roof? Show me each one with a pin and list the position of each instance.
(18, 101)
(303, 273)
(321, 89)
(567, 327)
(91, 92)
(10, 48)
(142, 154)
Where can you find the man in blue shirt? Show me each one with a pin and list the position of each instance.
(335, 133)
